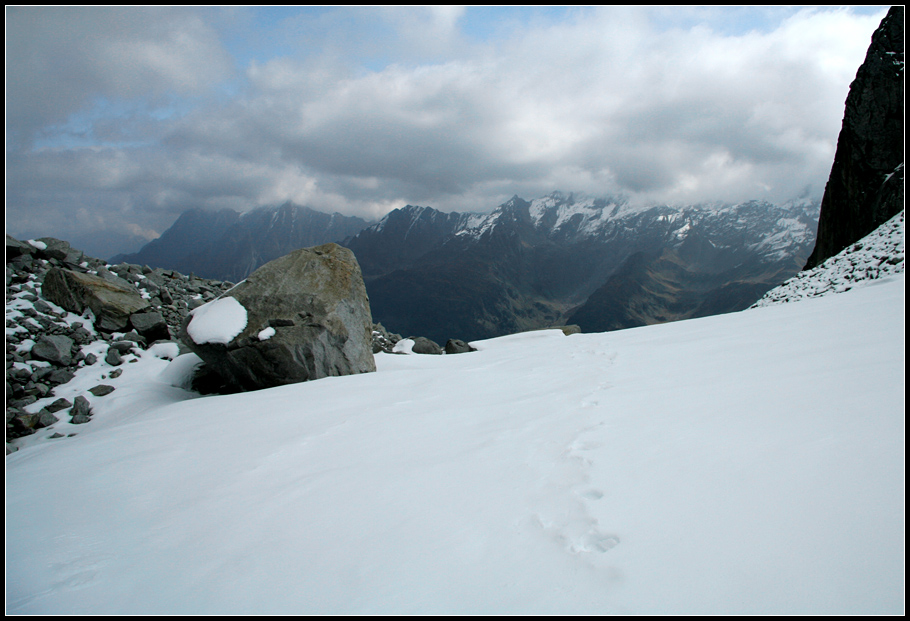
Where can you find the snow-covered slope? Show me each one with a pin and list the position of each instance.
(743, 463)
(878, 255)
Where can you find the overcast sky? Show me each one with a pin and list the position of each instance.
(119, 119)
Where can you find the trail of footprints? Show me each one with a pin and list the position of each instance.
(573, 526)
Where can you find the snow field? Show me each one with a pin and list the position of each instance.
(743, 463)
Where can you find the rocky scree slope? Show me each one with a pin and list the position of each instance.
(46, 344)
(878, 255)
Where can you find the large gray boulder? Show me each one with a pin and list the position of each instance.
(303, 316)
(111, 302)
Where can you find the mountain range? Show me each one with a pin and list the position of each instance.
(601, 263)
(228, 245)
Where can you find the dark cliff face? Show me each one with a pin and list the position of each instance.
(866, 185)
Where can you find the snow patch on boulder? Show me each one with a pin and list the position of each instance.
(219, 321)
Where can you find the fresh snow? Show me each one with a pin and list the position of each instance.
(878, 255)
(404, 346)
(748, 463)
(266, 334)
(218, 321)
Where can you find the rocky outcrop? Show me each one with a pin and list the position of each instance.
(303, 316)
(866, 185)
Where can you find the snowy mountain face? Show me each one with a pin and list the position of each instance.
(748, 463)
(529, 264)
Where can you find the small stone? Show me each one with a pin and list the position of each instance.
(113, 357)
(81, 407)
(123, 346)
(59, 404)
(101, 389)
(60, 376)
(45, 418)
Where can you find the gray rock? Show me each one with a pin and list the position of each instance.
(165, 296)
(45, 419)
(82, 410)
(113, 357)
(56, 349)
(60, 376)
(111, 302)
(81, 335)
(456, 346)
(20, 423)
(123, 346)
(314, 301)
(59, 404)
(43, 307)
(423, 345)
(151, 325)
(101, 389)
(16, 248)
(60, 250)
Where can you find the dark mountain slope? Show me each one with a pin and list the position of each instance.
(226, 245)
(194, 229)
(526, 265)
(866, 185)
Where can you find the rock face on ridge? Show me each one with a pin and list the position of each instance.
(303, 316)
(866, 185)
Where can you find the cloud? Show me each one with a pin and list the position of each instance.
(62, 59)
(599, 101)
